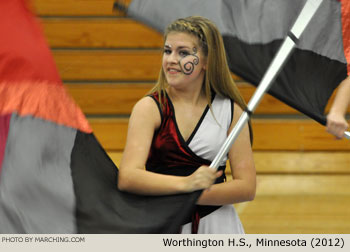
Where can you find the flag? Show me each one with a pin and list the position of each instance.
(254, 30)
(54, 175)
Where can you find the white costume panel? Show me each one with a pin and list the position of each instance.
(212, 131)
(224, 220)
(206, 142)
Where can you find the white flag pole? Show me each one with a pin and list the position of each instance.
(347, 134)
(276, 65)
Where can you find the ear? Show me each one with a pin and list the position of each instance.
(205, 65)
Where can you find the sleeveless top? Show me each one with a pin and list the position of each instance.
(171, 154)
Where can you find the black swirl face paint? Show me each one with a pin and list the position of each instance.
(188, 63)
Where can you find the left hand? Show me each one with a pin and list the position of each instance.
(336, 125)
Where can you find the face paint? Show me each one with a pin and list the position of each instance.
(188, 62)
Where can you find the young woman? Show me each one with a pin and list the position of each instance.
(176, 131)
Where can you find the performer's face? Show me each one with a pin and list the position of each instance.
(183, 61)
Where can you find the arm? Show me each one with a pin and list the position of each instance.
(144, 120)
(243, 185)
(336, 122)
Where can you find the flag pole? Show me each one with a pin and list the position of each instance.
(276, 65)
(347, 134)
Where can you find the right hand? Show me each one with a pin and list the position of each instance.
(202, 178)
(336, 125)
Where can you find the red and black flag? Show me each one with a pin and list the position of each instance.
(54, 175)
(253, 31)
(38, 124)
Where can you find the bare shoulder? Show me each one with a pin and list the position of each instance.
(146, 103)
(146, 106)
(146, 109)
(237, 111)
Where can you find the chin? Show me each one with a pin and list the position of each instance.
(174, 83)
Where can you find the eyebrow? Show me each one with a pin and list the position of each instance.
(179, 48)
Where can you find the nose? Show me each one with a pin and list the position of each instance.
(172, 58)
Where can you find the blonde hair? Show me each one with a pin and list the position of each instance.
(218, 77)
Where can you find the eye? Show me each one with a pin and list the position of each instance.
(184, 53)
(167, 51)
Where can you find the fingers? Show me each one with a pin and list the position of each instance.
(203, 178)
(219, 174)
(337, 129)
(336, 126)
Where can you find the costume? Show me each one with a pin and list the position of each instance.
(171, 154)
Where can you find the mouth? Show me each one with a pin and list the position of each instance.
(173, 70)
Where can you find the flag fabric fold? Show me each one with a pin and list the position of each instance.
(38, 124)
(54, 175)
(345, 19)
(103, 209)
(254, 30)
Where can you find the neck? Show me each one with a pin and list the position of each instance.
(188, 96)
(192, 94)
